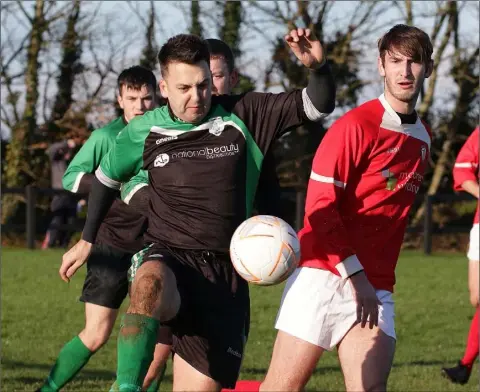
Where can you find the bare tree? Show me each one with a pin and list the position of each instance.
(343, 34)
(29, 65)
(70, 65)
(465, 74)
(18, 172)
(195, 24)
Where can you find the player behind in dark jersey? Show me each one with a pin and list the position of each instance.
(225, 77)
(203, 155)
(119, 237)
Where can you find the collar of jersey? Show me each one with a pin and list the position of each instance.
(173, 121)
(393, 114)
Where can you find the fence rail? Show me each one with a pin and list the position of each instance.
(427, 228)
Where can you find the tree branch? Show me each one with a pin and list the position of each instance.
(25, 13)
(429, 95)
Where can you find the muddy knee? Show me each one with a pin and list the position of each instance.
(155, 294)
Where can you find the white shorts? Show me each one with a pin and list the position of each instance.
(473, 247)
(319, 307)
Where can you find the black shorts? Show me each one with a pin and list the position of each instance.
(210, 329)
(106, 283)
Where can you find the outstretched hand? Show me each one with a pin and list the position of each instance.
(306, 47)
(74, 259)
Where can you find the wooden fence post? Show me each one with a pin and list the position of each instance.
(30, 222)
(428, 225)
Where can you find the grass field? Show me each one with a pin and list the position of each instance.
(40, 313)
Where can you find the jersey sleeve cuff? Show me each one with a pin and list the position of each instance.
(130, 194)
(76, 184)
(349, 266)
(107, 181)
(310, 110)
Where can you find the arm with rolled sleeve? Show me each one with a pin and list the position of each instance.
(335, 164)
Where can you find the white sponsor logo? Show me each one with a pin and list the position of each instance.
(217, 127)
(165, 139)
(410, 181)
(208, 152)
(161, 160)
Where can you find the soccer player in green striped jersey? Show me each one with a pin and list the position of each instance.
(120, 235)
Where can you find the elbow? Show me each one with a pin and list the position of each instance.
(66, 184)
(328, 107)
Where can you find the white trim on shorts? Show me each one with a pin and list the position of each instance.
(319, 307)
(474, 246)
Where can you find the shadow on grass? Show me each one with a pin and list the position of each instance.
(326, 369)
(257, 371)
(85, 374)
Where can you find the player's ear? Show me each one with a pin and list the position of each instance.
(234, 78)
(429, 69)
(120, 101)
(381, 69)
(119, 96)
(163, 88)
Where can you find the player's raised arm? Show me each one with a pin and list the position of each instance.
(121, 163)
(268, 116)
(319, 96)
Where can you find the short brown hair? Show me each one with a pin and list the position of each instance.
(408, 40)
(220, 49)
(135, 78)
(183, 48)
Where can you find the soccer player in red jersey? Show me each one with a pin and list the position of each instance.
(466, 178)
(364, 179)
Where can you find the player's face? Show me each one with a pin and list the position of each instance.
(403, 76)
(223, 80)
(136, 102)
(188, 89)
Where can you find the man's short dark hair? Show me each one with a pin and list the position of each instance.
(135, 78)
(183, 48)
(219, 49)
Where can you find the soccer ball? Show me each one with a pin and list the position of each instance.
(265, 250)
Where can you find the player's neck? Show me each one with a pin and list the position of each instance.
(400, 106)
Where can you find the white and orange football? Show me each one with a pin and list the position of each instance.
(265, 250)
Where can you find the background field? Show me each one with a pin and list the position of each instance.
(40, 313)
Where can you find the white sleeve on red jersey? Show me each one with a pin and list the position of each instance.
(335, 165)
(466, 165)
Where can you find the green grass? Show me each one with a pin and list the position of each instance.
(40, 313)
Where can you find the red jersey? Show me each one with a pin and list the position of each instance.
(365, 176)
(466, 165)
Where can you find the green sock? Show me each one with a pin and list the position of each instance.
(136, 343)
(72, 358)
(155, 385)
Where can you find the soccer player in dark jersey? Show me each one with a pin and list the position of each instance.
(224, 79)
(186, 279)
(120, 235)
